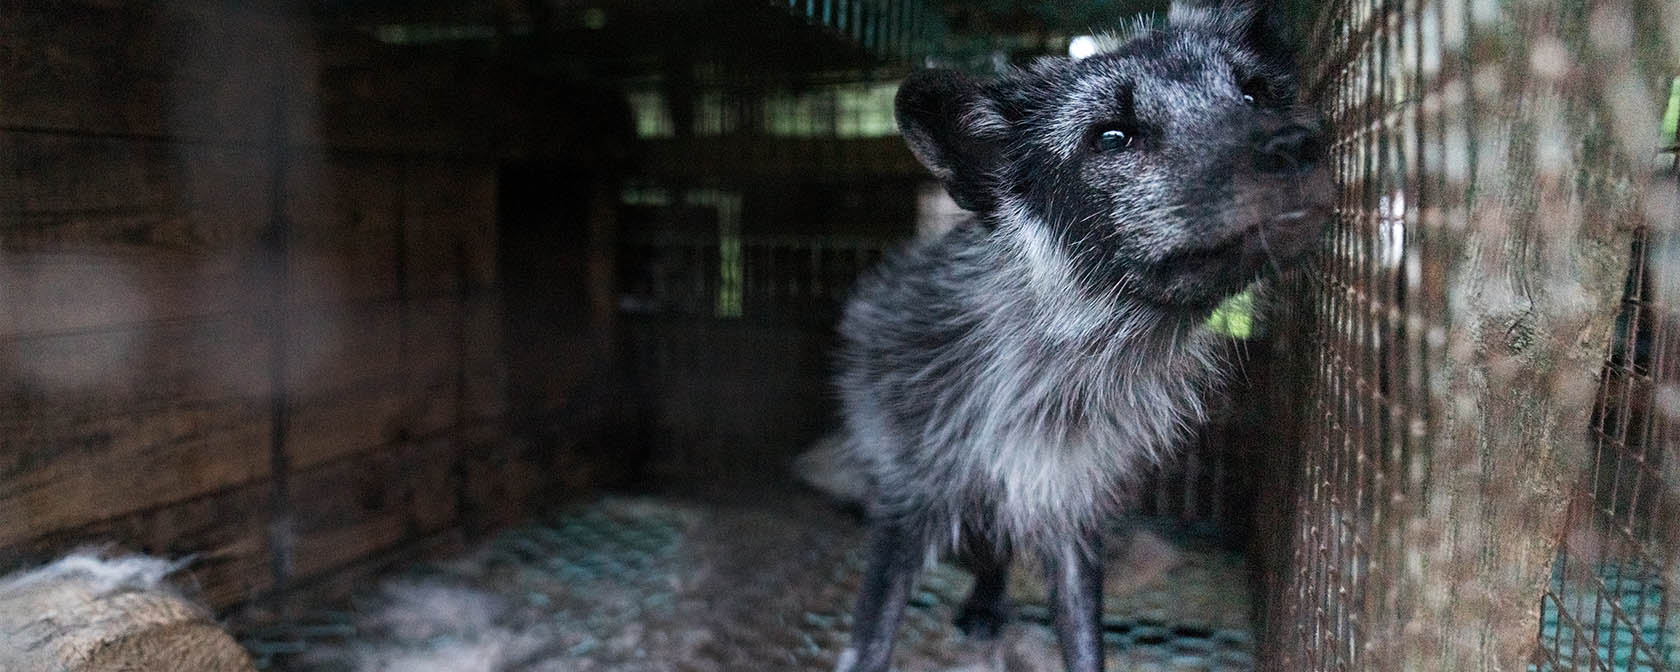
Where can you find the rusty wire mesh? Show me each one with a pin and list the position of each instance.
(1357, 430)
(1607, 606)
(1492, 159)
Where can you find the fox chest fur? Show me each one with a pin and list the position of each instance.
(990, 396)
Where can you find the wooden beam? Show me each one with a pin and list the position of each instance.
(65, 472)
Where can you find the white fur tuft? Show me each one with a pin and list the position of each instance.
(833, 469)
(101, 575)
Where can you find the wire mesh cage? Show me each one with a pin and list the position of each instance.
(1448, 507)
(1606, 607)
(1462, 335)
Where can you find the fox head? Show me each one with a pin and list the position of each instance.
(1176, 168)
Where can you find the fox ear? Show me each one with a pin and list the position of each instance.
(952, 126)
(1256, 24)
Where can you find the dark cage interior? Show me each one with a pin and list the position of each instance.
(499, 335)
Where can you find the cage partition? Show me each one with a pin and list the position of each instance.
(1494, 161)
(309, 291)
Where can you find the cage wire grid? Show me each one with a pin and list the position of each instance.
(1413, 91)
(1607, 607)
(1359, 419)
(1432, 163)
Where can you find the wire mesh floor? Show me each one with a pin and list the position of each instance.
(649, 584)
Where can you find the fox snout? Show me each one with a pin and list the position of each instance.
(1291, 150)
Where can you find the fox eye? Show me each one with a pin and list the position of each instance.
(1255, 91)
(1114, 138)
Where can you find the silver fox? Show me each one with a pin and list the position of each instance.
(1002, 383)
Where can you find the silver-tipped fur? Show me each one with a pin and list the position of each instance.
(1003, 383)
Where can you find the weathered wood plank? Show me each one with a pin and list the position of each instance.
(450, 212)
(504, 478)
(485, 374)
(432, 365)
(341, 210)
(330, 347)
(350, 388)
(55, 378)
(57, 172)
(433, 341)
(49, 293)
(227, 194)
(188, 69)
(381, 97)
(112, 195)
(219, 70)
(346, 420)
(66, 472)
(50, 172)
(431, 464)
(545, 373)
(135, 338)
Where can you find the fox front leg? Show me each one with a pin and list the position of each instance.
(895, 559)
(1074, 570)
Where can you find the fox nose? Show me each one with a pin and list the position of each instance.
(1291, 149)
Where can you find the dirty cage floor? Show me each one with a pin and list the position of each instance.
(645, 584)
